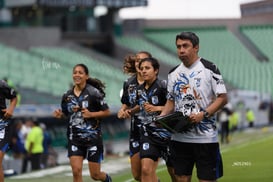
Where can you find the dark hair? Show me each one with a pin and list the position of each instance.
(92, 81)
(153, 61)
(129, 64)
(188, 36)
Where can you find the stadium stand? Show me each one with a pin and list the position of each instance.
(138, 43)
(66, 59)
(260, 36)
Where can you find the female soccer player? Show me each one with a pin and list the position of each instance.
(154, 139)
(128, 101)
(84, 106)
(6, 92)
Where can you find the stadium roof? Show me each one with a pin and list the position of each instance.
(86, 3)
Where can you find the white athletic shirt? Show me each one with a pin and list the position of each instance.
(193, 89)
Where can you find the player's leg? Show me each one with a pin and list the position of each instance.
(94, 157)
(1, 167)
(134, 147)
(96, 173)
(136, 166)
(76, 156)
(148, 170)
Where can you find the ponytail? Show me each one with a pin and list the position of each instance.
(97, 84)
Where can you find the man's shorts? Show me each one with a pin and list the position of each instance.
(206, 157)
(91, 153)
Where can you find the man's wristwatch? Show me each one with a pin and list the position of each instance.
(206, 114)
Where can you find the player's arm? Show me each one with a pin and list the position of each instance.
(168, 108)
(59, 114)
(152, 108)
(10, 109)
(99, 103)
(130, 112)
(121, 112)
(218, 103)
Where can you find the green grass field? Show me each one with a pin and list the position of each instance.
(248, 157)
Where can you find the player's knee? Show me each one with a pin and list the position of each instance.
(76, 172)
(146, 170)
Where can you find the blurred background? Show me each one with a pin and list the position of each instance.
(41, 41)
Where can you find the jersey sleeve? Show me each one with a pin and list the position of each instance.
(124, 97)
(218, 84)
(164, 87)
(7, 91)
(170, 92)
(64, 105)
(99, 102)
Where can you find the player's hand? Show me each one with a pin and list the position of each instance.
(148, 107)
(58, 113)
(121, 114)
(128, 113)
(86, 113)
(7, 113)
(196, 117)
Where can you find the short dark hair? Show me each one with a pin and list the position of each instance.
(188, 36)
(153, 61)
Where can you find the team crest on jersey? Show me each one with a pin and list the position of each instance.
(84, 104)
(135, 144)
(74, 148)
(154, 100)
(197, 82)
(145, 146)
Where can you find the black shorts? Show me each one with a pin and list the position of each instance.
(134, 141)
(91, 153)
(4, 135)
(206, 157)
(149, 149)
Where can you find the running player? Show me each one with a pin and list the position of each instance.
(84, 106)
(154, 142)
(6, 92)
(128, 100)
